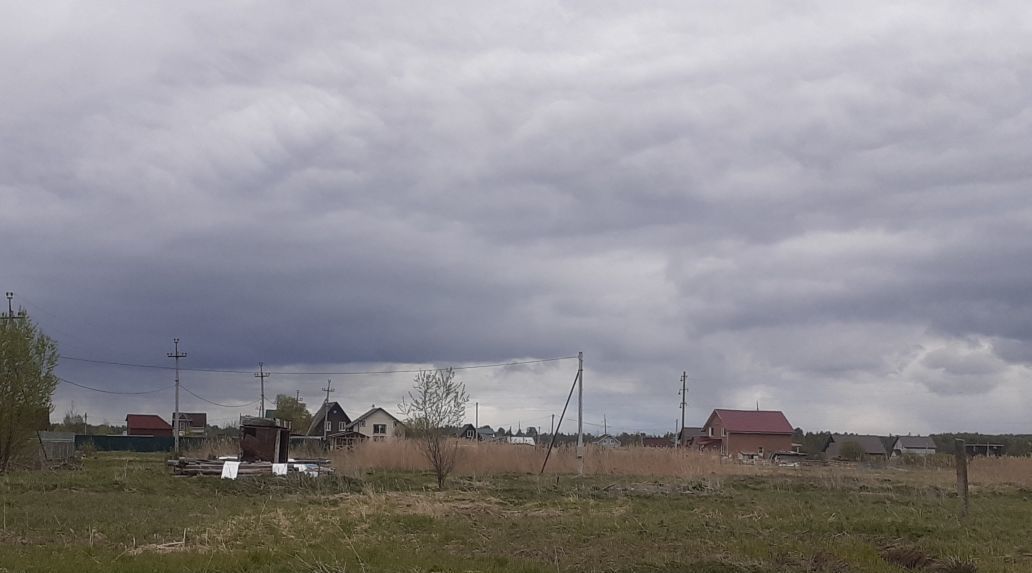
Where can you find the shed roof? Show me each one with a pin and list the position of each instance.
(147, 422)
(752, 421)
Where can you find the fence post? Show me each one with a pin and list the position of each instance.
(960, 457)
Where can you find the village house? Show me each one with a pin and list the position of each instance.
(330, 419)
(607, 441)
(468, 432)
(147, 425)
(191, 423)
(870, 447)
(917, 445)
(378, 424)
(745, 433)
(689, 433)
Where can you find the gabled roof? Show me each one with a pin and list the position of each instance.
(147, 422)
(752, 421)
(315, 428)
(871, 445)
(916, 442)
(194, 419)
(373, 411)
(486, 431)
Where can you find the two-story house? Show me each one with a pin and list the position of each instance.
(378, 424)
(759, 433)
(330, 419)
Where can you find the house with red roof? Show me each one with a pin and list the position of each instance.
(745, 433)
(147, 425)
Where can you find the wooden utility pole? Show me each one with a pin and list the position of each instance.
(10, 309)
(175, 417)
(326, 406)
(580, 413)
(553, 424)
(684, 399)
(960, 458)
(261, 374)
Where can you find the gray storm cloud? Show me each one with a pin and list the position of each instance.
(810, 206)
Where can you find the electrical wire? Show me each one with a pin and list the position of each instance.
(202, 398)
(66, 381)
(308, 373)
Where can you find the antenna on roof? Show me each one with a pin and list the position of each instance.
(757, 405)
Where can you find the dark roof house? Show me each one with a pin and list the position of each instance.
(331, 418)
(871, 446)
(920, 445)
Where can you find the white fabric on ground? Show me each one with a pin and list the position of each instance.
(279, 469)
(229, 470)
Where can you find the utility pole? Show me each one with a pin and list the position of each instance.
(684, 398)
(326, 404)
(297, 396)
(175, 417)
(476, 415)
(262, 374)
(553, 425)
(580, 413)
(85, 423)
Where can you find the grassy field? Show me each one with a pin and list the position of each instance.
(127, 513)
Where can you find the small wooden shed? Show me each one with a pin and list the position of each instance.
(263, 440)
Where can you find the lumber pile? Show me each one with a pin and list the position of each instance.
(199, 467)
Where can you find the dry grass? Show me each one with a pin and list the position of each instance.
(493, 459)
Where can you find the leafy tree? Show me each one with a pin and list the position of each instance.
(27, 383)
(436, 402)
(290, 409)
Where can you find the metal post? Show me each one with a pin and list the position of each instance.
(10, 309)
(580, 413)
(175, 417)
(476, 416)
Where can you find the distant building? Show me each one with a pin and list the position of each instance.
(147, 425)
(872, 447)
(521, 440)
(607, 441)
(917, 445)
(330, 419)
(191, 423)
(746, 433)
(487, 433)
(689, 433)
(468, 432)
(656, 442)
(377, 424)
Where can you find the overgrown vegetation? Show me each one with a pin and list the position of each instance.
(27, 382)
(436, 403)
(126, 513)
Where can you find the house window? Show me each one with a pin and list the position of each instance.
(343, 426)
(329, 426)
(710, 431)
(723, 432)
(469, 433)
(379, 428)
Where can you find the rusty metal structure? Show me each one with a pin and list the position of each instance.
(263, 440)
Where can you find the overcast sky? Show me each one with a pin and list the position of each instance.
(818, 207)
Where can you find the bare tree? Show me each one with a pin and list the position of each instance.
(436, 403)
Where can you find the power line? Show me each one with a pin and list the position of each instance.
(203, 399)
(66, 381)
(309, 373)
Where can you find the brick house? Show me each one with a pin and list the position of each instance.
(147, 425)
(745, 433)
